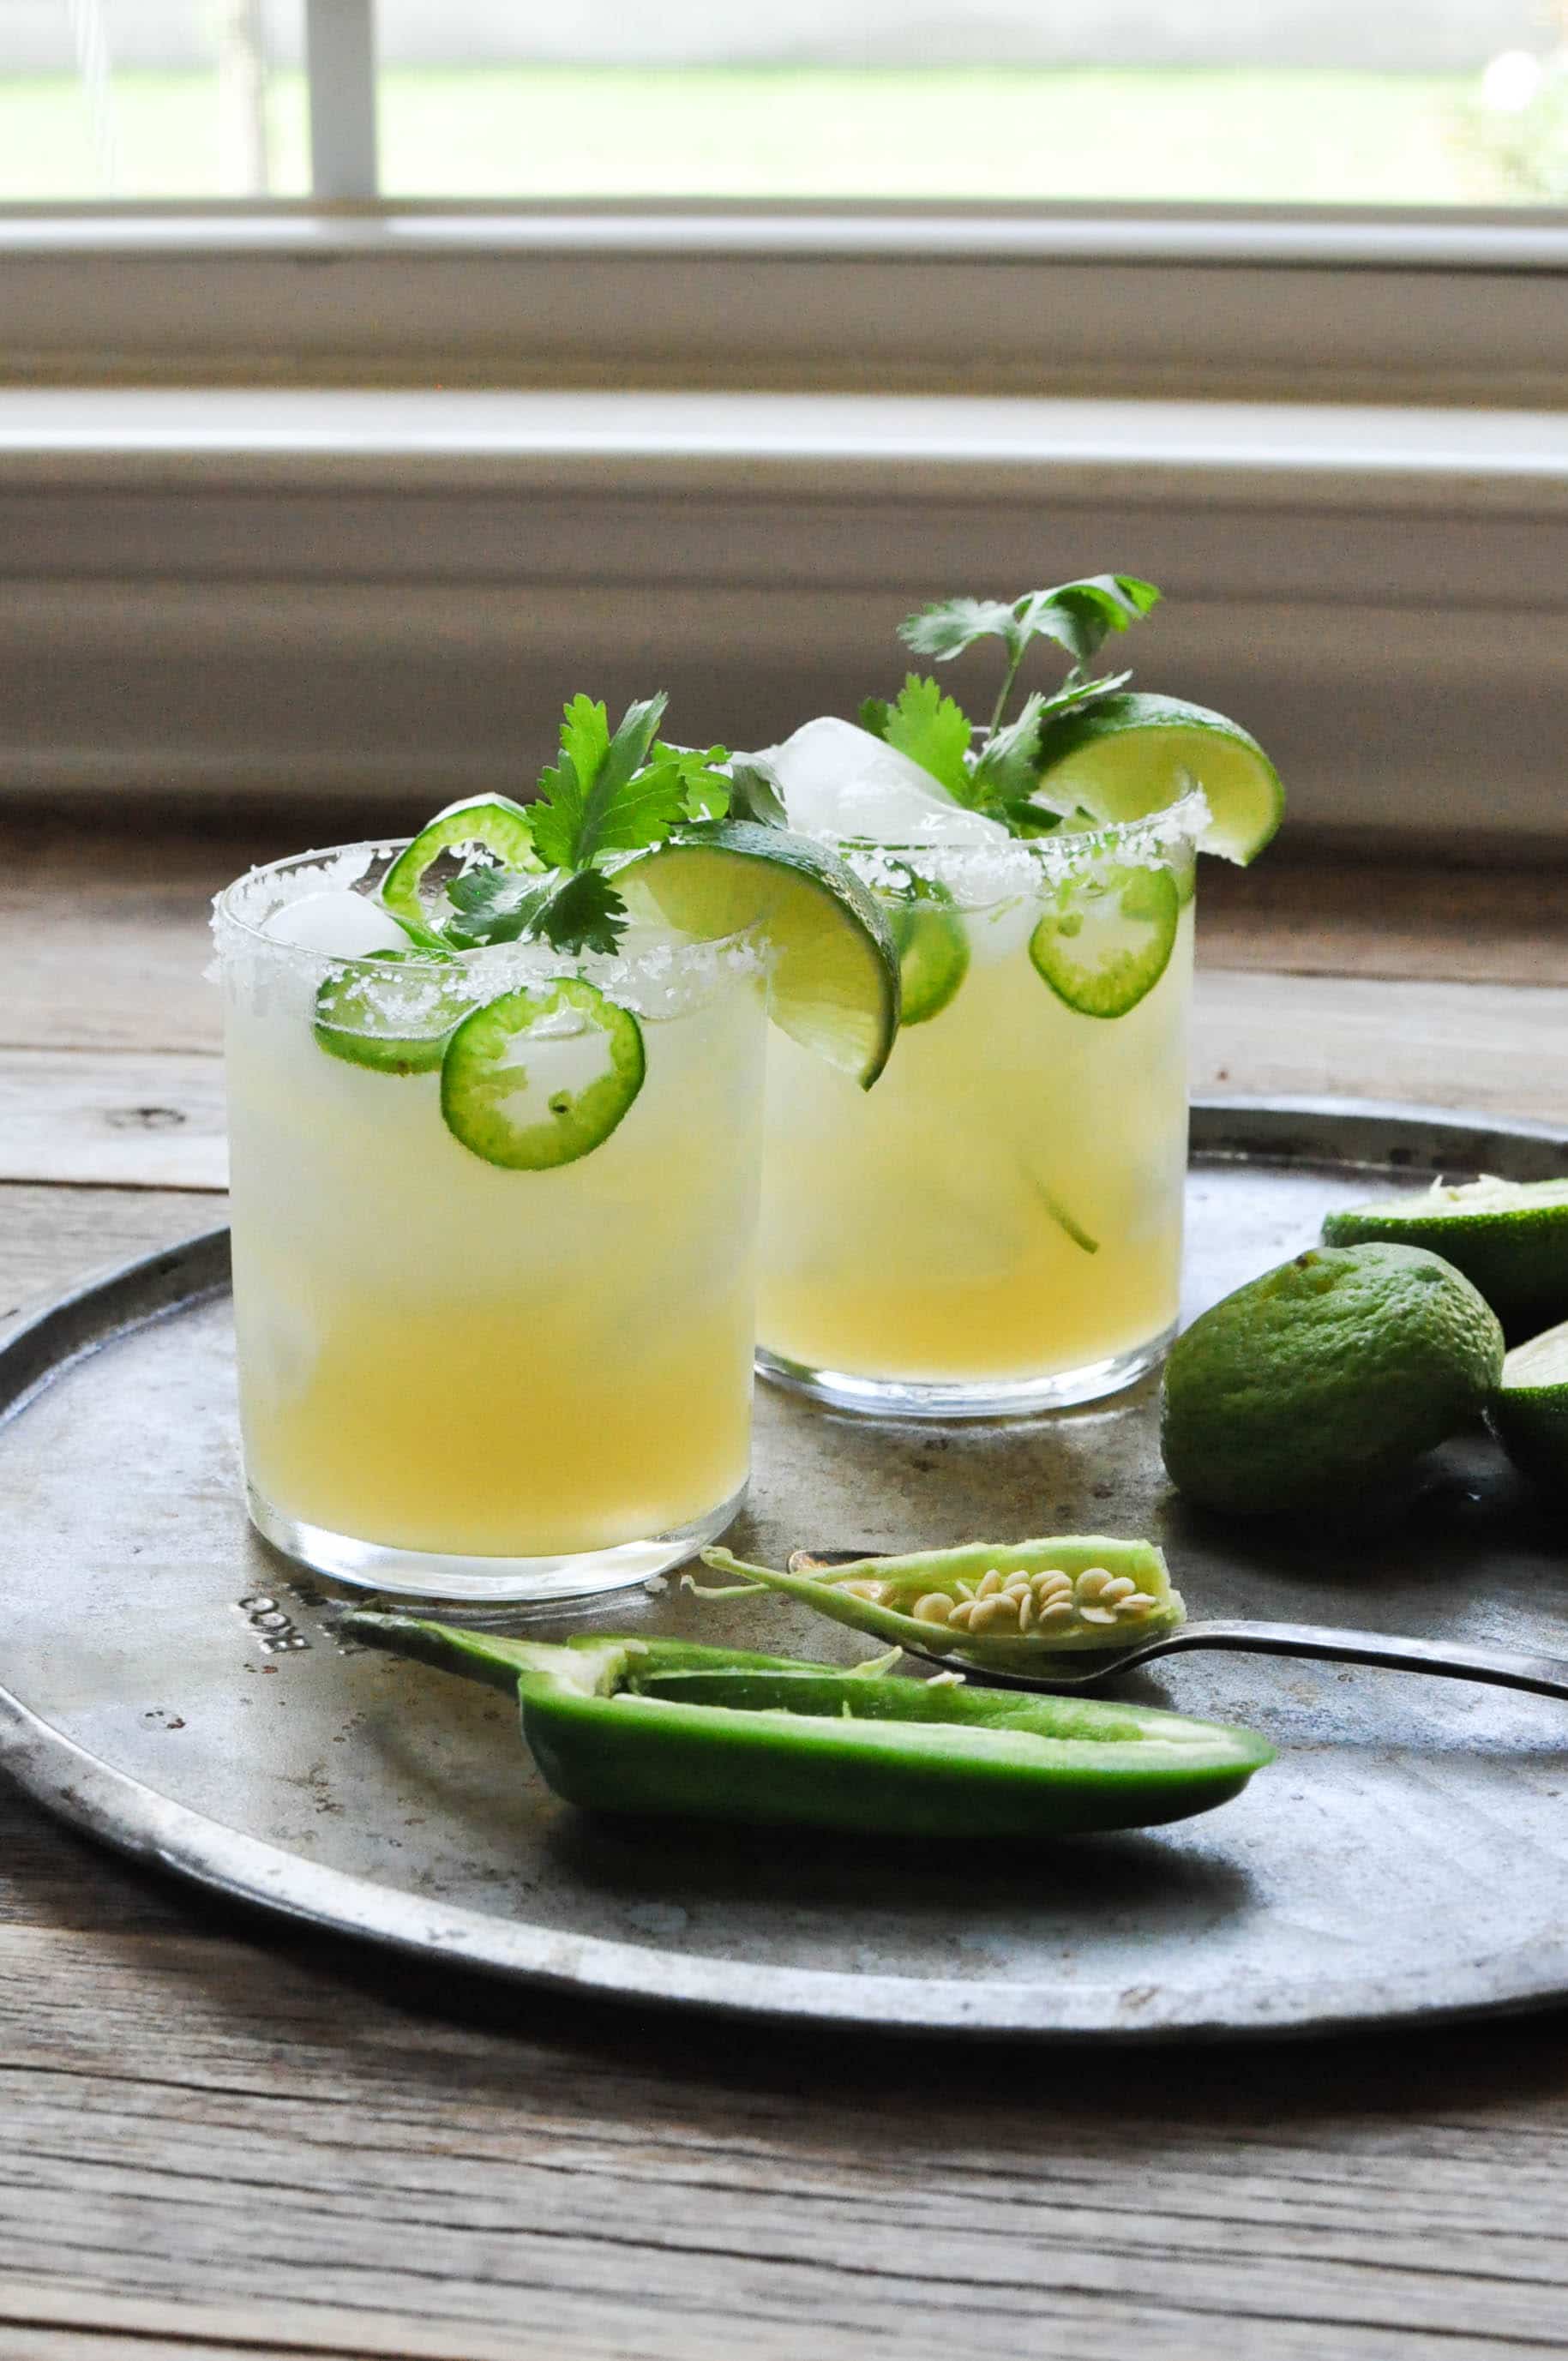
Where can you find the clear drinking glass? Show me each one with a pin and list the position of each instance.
(996, 1226)
(463, 1381)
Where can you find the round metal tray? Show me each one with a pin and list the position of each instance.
(173, 1687)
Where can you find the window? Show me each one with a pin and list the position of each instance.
(374, 373)
(1448, 102)
(1213, 102)
(125, 99)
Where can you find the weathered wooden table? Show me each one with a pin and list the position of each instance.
(218, 2137)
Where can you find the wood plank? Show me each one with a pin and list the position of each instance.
(1500, 1048)
(219, 2137)
(106, 929)
(1393, 919)
(40, 2322)
(263, 2133)
(126, 1118)
(51, 1238)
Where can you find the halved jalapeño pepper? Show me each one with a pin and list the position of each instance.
(1004, 1604)
(662, 1726)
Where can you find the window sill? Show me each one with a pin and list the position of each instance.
(1254, 304)
(390, 594)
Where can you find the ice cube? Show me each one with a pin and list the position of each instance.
(838, 780)
(340, 926)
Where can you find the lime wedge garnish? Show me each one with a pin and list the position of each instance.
(1106, 939)
(835, 979)
(540, 1076)
(491, 823)
(1509, 1237)
(1133, 754)
(1530, 1408)
(933, 949)
(397, 1020)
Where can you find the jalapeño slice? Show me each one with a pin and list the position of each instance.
(1106, 939)
(495, 823)
(540, 1076)
(398, 1022)
(932, 946)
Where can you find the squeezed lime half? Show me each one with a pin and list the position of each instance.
(1528, 1412)
(1509, 1237)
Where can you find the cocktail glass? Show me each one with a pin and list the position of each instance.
(997, 1227)
(460, 1381)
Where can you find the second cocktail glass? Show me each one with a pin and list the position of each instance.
(997, 1227)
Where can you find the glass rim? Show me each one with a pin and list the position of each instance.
(333, 861)
(1012, 864)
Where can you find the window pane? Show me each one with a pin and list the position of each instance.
(1418, 102)
(151, 98)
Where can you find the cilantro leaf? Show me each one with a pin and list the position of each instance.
(754, 792)
(1077, 615)
(584, 737)
(1010, 759)
(1008, 762)
(595, 801)
(933, 731)
(496, 906)
(1023, 817)
(574, 910)
(873, 715)
(1074, 695)
(704, 785)
(945, 630)
(585, 914)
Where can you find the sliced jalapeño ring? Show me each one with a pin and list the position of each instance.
(1106, 939)
(540, 1076)
(493, 823)
(398, 1023)
(932, 946)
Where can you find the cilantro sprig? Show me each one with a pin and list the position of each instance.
(996, 771)
(1077, 616)
(606, 795)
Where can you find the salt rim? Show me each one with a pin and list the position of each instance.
(664, 977)
(980, 874)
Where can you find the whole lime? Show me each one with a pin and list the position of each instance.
(1317, 1383)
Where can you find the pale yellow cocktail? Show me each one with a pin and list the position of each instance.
(998, 1225)
(460, 1378)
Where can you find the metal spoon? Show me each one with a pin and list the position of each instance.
(1449, 1660)
(1547, 1675)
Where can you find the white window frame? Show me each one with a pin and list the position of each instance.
(1264, 305)
(1430, 305)
(344, 486)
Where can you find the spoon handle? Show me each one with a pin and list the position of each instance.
(1504, 1668)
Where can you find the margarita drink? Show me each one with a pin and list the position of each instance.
(998, 1226)
(460, 1375)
